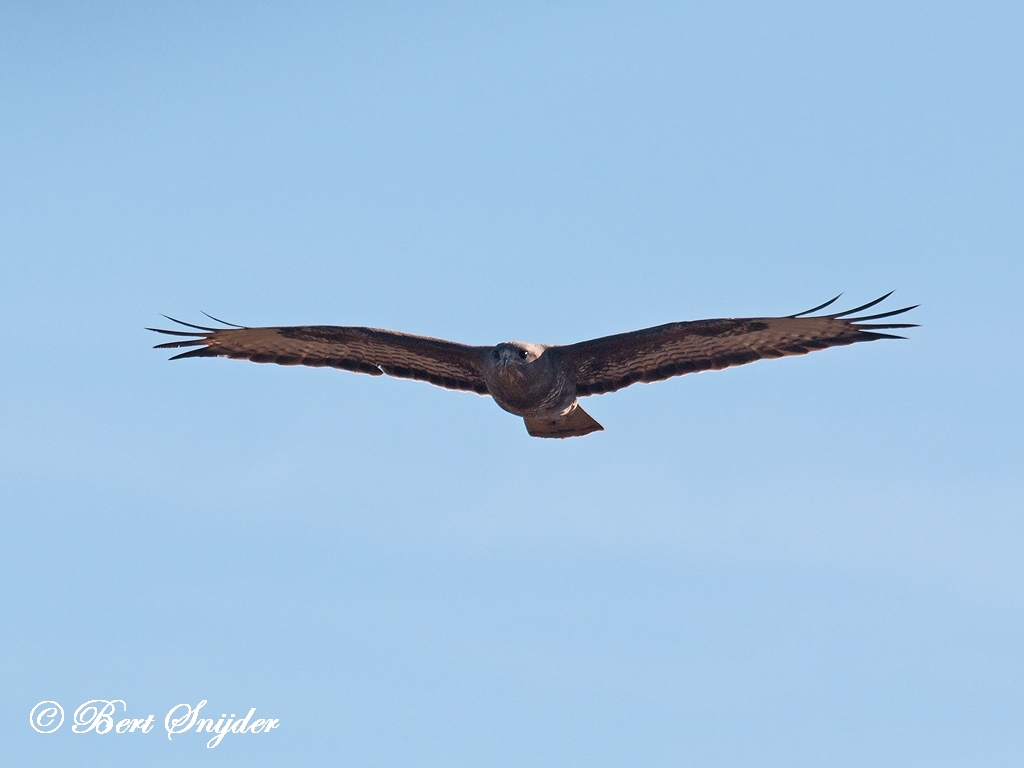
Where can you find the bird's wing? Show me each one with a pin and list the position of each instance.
(613, 362)
(366, 350)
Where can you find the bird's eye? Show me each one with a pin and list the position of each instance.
(522, 354)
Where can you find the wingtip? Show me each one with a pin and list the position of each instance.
(189, 325)
(880, 315)
(828, 303)
(862, 307)
(201, 352)
(189, 334)
(223, 322)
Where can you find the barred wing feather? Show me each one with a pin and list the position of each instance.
(364, 350)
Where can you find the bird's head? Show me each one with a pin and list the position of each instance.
(515, 354)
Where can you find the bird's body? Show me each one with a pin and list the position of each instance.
(530, 380)
(542, 382)
(526, 379)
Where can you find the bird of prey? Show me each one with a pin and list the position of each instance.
(542, 382)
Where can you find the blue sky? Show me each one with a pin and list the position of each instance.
(811, 561)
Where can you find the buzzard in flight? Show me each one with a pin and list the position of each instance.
(542, 382)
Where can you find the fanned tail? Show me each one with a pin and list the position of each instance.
(574, 423)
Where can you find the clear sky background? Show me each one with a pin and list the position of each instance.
(804, 562)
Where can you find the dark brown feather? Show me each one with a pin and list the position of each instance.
(364, 350)
(652, 354)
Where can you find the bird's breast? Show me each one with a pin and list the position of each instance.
(529, 390)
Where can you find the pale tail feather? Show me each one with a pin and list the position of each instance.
(576, 422)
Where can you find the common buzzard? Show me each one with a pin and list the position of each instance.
(542, 382)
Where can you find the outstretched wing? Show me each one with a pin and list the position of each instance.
(613, 362)
(365, 350)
